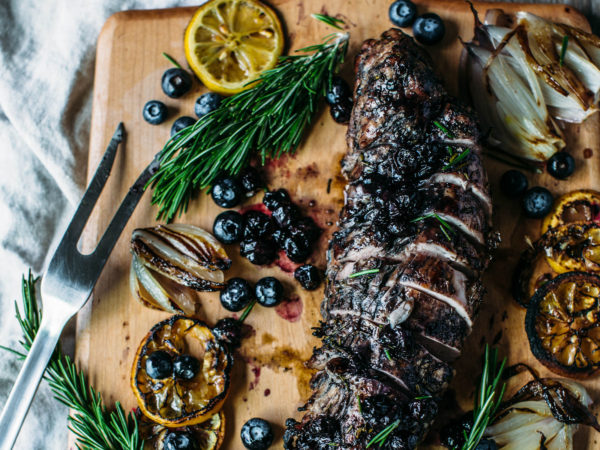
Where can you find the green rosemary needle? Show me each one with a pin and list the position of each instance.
(382, 436)
(563, 50)
(363, 272)
(445, 130)
(268, 118)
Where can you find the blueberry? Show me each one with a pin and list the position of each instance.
(403, 13)
(537, 202)
(308, 276)
(207, 103)
(176, 82)
(561, 165)
(257, 434)
(269, 291)
(285, 215)
(181, 123)
(186, 367)
(179, 440)
(513, 183)
(226, 192)
(251, 180)
(228, 330)
(229, 227)
(274, 199)
(341, 113)
(159, 365)
(429, 29)
(258, 225)
(338, 92)
(297, 249)
(155, 112)
(236, 294)
(258, 251)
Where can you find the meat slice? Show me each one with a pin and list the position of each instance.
(404, 268)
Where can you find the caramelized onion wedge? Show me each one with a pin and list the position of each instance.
(158, 292)
(185, 254)
(543, 414)
(563, 324)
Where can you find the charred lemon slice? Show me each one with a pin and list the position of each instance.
(181, 373)
(207, 435)
(563, 324)
(574, 247)
(229, 43)
(576, 206)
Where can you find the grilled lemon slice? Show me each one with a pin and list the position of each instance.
(562, 324)
(170, 399)
(207, 435)
(576, 206)
(229, 43)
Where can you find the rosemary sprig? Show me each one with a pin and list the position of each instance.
(382, 436)
(563, 50)
(268, 118)
(444, 226)
(171, 60)
(94, 426)
(363, 272)
(423, 397)
(488, 399)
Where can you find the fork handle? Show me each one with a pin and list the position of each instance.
(27, 382)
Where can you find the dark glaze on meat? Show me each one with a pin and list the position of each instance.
(423, 223)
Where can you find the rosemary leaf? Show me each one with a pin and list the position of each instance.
(172, 60)
(268, 119)
(444, 129)
(382, 436)
(563, 50)
(456, 158)
(363, 272)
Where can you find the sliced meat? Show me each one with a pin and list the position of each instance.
(404, 268)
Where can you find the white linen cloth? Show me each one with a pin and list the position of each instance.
(47, 53)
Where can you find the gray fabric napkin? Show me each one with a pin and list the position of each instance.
(47, 52)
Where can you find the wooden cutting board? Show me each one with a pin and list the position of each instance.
(269, 379)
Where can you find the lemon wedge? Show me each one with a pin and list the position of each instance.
(229, 43)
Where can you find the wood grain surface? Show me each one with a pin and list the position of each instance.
(269, 379)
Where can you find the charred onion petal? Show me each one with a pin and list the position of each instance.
(543, 407)
(562, 324)
(186, 254)
(148, 290)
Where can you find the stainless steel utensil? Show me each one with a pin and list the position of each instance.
(66, 286)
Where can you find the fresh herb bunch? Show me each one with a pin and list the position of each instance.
(488, 398)
(94, 426)
(269, 118)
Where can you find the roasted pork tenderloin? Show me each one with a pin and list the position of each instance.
(404, 269)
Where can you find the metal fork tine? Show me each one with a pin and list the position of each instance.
(118, 222)
(93, 191)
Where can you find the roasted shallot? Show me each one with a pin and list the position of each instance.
(522, 80)
(170, 262)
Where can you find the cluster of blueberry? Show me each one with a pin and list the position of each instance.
(261, 236)
(428, 28)
(175, 83)
(537, 201)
